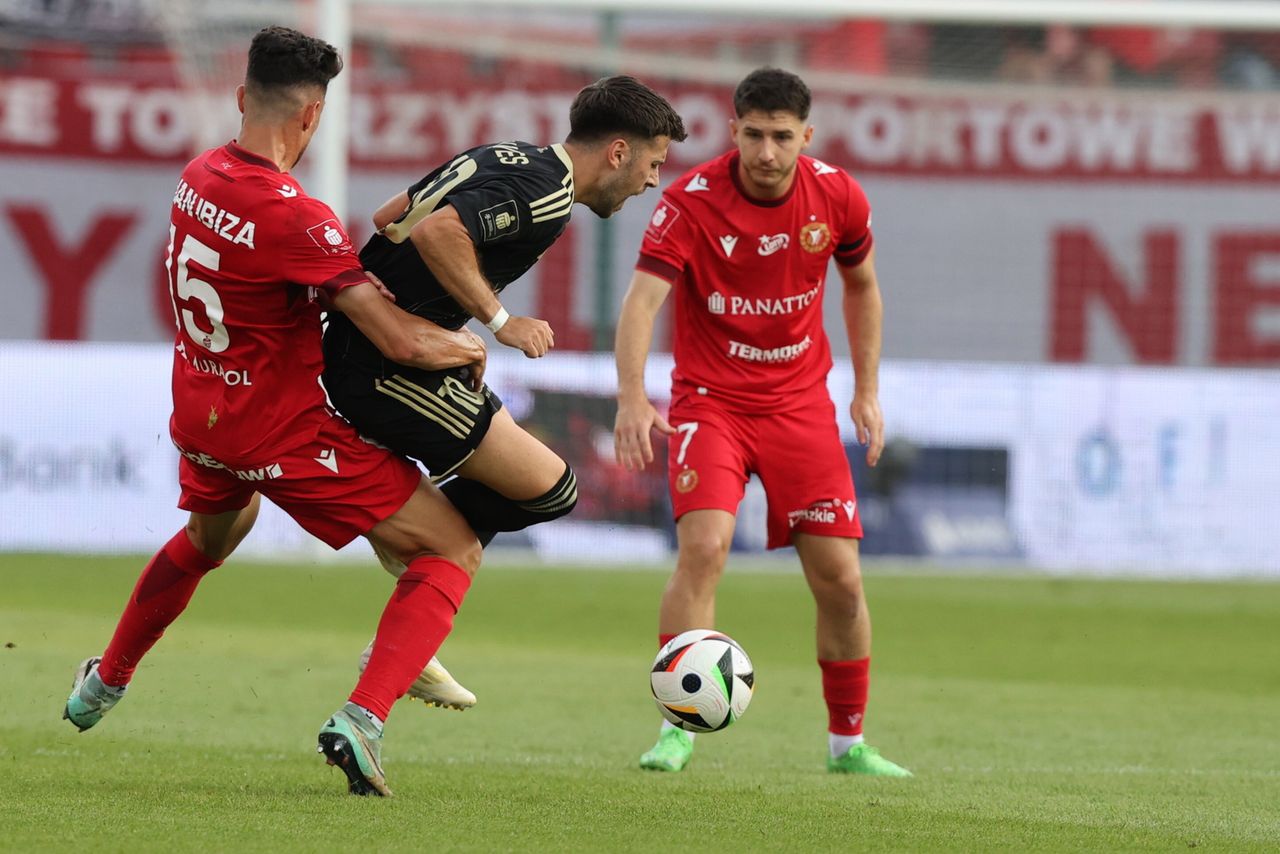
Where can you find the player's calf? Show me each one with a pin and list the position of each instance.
(435, 686)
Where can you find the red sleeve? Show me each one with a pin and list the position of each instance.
(853, 244)
(315, 250)
(668, 241)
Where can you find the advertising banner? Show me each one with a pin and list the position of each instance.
(1092, 229)
(1165, 472)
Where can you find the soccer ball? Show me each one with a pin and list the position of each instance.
(702, 680)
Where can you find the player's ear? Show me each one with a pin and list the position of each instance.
(240, 98)
(311, 114)
(618, 152)
(808, 137)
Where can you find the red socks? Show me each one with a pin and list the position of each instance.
(662, 640)
(844, 687)
(162, 593)
(414, 624)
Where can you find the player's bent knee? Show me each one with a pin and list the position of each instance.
(557, 501)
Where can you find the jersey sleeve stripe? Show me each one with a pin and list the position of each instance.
(566, 187)
(659, 268)
(554, 200)
(554, 213)
(852, 257)
(345, 279)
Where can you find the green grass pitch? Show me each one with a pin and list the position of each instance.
(1038, 714)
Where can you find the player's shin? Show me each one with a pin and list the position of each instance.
(414, 624)
(161, 594)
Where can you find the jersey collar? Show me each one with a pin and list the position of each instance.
(734, 160)
(249, 157)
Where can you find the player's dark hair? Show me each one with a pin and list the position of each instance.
(281, 58)
(622, 106)
(772, 90)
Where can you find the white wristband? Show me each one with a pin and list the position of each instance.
(499, 320)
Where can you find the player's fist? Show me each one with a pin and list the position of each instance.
(868, 422)
(475, 370)
(530, 335)
(632, 446)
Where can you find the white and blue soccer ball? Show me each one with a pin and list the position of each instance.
(702, 680)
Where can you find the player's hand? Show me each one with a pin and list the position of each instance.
(868, 422)
(631, 443)
(475, 370)
(530, 335)
(382, 289)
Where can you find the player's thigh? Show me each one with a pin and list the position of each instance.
(512, 462)
(431, 416)
(708, 458)
(217, 535)
(338, 486)
(427, 524)
(806, 475)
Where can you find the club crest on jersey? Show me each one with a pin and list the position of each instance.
(661, 221)
(687, 481)
(330, 237)
(771, 243)
(815, 237)
(499, 220)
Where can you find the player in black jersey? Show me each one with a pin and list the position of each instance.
(446, 248)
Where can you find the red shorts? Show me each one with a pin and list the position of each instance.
(797, 454)
(337, 487)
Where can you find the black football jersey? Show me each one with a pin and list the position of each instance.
(514, 198)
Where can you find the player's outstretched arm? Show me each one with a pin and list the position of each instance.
(636, 415)
(407, 339)
(445, 246)
(863, 319)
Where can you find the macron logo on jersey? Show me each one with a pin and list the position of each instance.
(697, 184)
(287, 191)
(820, 168)
(727, 242)
(329, 459)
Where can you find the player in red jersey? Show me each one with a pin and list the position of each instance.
(250, 258)
(745, 241)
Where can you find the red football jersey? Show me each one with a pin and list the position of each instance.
(247, 250)
(748, 276)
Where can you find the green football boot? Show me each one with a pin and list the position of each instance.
(90, 698)
(350, 741)
(671, 753)
(865, 759)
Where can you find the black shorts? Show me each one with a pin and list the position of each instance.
(432, 416)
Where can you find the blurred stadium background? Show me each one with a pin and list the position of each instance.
(1075, 208)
